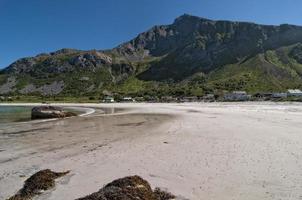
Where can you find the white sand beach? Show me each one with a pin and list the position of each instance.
(210, 151)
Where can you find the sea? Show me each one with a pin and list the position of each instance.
(14, 114)
(9, 114)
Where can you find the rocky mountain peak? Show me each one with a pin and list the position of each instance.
(65, 51)
(190, 18)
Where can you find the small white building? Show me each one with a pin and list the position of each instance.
(237, 96)
(294, 93)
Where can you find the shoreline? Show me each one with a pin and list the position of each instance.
(84, 111)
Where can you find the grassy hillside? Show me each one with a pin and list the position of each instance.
(271, 71)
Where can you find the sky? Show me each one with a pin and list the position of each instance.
(30, 27)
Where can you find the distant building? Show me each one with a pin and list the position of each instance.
(237, 96)
(209, 97)
(108, 100)
(263, 95)
(294, 93)
(2, 98)
(189, 99)
(128, 99)
(279, 95)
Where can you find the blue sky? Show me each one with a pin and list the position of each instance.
(29, 27)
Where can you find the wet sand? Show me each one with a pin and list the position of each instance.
(199, 151)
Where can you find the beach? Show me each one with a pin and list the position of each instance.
(219, 151)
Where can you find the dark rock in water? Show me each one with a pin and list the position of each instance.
(40, 181)
(129, 188)
(48, 112)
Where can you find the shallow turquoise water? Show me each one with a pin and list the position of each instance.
(14, 113)
(22, 113)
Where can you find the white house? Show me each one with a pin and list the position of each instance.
(294, 93)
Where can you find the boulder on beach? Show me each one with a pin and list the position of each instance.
(48, 112)
(129, 188)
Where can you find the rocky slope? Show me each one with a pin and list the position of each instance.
(66, 71)
(194, 54)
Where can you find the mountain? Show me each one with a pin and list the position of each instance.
(191, 56)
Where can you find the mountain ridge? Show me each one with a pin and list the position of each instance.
(190, 53)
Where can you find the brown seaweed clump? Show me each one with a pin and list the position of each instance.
(129, 188)
(163, 195)
(34, 185)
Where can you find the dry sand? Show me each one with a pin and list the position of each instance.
(218, 151)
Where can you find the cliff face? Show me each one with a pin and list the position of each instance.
(193, 44)
(176, 53)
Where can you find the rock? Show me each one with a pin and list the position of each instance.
(91, 59)
(296, 53)
(65, 51)
(28, 89)
(9, 86)
(53, 88)
(129, 188)
(47, 112)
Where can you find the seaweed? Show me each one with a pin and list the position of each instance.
(34, 185)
